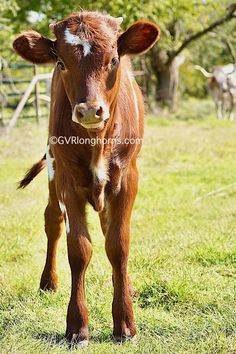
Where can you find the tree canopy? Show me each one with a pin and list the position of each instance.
(180, 21)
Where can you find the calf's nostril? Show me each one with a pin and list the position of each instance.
(79, 112)
(99, 112)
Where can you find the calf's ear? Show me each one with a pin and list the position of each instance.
(138, 38)
(34, 47)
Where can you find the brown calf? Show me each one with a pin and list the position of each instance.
(94, 95)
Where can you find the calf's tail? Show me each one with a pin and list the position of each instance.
(32, 173)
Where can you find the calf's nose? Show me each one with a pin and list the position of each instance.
(84, 110)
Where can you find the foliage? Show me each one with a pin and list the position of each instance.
(182, 259)
(178, 20)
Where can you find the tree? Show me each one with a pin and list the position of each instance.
(182, 23)
(179, 35)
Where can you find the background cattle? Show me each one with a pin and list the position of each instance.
(222, 87)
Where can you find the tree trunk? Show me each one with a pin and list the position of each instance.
(166, 88)
(167, 75)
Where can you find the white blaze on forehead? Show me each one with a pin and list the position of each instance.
(50, 160)
(76, 40)
(64, 212)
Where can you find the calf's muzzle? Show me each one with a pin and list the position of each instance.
(89, 115)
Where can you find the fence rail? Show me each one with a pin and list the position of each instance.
(32, 85)
(20, 86)
(19, 92)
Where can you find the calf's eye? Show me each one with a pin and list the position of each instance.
(60, 65)
(114, 61)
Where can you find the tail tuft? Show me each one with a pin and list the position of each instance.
(32, 173)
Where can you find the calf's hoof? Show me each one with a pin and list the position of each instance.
(78, 337)
(125, 333)
(124, 338)
(49, 282)
(75, 340)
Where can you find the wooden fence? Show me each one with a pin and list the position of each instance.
(22, 86)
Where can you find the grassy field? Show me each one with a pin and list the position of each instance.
(183, 249)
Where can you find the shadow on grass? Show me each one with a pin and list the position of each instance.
(59, 339)
(52, 338)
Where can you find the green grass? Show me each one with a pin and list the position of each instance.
(183, 248)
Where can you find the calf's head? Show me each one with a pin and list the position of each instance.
(87, 52)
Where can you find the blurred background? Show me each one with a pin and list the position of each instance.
(194, 32)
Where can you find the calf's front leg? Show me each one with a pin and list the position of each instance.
(79, 254)
(117, 248)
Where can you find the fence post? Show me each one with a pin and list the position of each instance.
(37, 101)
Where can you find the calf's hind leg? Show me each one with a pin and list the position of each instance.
(53, 228)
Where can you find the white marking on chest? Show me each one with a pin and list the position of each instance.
(76, 40)
(64, 212)
(100, 170)
(50, 160)
(101, 199)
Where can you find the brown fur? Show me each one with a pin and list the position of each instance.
(104, 175)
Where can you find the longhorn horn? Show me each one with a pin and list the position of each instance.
(119, 20)
(203, 71)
